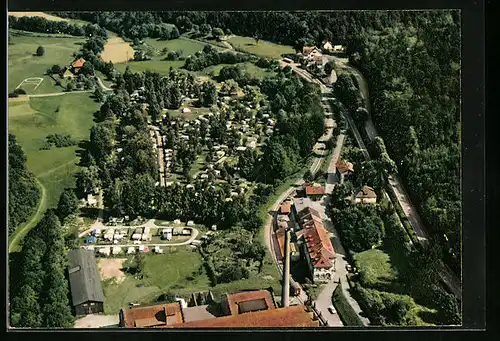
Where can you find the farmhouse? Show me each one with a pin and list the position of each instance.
(85, 284)
(316, 246)
(344, 170)
(365, 196)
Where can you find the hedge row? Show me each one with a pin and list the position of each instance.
(344, 309)
(404, 220)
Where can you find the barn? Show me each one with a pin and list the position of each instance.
(85, 283)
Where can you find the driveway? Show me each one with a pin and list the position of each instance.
(98, 321)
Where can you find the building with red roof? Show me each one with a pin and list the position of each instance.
(152, 316)
(293, 316)
(344, 170)
(314, 192)
(246, 301)
(317, 246)
(286, 207)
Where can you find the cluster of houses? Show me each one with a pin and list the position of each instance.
(249, 130)
(311, 240)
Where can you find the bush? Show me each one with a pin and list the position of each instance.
(59, 141)
(40, 51)
(20, 91)
(13, 95)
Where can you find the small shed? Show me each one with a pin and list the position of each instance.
(186, 110)
(190, 223)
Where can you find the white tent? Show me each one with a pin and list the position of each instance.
(185, 110)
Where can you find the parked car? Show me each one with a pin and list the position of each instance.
(332, 310)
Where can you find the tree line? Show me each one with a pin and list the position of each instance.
(39, 297)
(39, 24)
(128, 24)
(24, 192)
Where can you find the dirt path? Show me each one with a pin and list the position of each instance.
(117, 50)
(22, 231)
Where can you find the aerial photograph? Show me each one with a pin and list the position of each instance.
(246, 169)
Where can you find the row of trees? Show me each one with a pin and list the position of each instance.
(39, 299)
(39, 24)
(24, 192)
(128, 24)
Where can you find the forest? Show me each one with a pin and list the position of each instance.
(24, 192)
(38, 288)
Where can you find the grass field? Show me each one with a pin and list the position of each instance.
(188, 47)
(31, 121)
(22, 63)
(176, 270)
(157, 64)
(263, 48)
(375, 267)
(250, 68)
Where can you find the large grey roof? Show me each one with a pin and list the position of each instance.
(85, 283)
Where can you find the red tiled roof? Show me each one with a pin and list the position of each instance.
(235, 299)
(315, 190)
(319, 245)
(153, 315)
(285, 207)
(294, 316)
(78, 63)
(308, 49)
(343, 167)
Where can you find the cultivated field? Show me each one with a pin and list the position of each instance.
(23, 63)
(37, 14)
(117, 50)
(262, 48)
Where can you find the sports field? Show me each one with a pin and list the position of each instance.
(32, 120)
(24, 64)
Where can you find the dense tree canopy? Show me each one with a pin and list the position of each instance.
(41, 297)
(24, 192)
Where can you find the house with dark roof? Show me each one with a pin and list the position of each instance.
(344, 170)
(366, 195)
(316, 245)
(85, 283)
